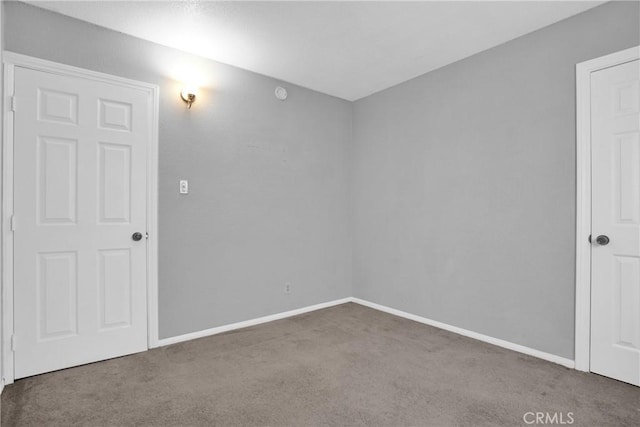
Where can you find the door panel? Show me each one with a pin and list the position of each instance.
(58, 298)
(115, 183)
(615, 286)
(115, 288)
(57, 180)
(80, 155)
(57, 107)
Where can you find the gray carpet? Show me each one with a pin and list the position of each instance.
(345, 365)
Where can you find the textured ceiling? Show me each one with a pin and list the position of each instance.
(346, 49)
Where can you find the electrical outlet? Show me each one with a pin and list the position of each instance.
(184, 186)
(287, 288)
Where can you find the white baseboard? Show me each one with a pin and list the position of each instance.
(480, 337)
(460, 331)
(251, 322)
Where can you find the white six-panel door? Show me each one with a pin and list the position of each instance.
(80, 193)
(615, 286)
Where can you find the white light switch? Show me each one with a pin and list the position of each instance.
(184, 186)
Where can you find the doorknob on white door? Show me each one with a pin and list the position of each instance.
(602, 240)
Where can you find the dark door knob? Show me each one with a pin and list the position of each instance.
(136, 236)
(602, 240)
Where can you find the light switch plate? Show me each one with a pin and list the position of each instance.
(184, 186)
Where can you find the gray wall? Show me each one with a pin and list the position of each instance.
(268, 179)
(464, 185)
(462, 182)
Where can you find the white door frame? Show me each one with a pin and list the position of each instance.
(10, 61)
(583, 197)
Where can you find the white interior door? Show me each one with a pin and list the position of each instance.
(615, 275)
(80, 159)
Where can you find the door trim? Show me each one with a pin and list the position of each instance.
(10, 61)
(583, 197)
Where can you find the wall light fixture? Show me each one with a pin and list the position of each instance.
(188, 95)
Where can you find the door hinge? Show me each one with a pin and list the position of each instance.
(13, 342)
(13, 223)
(13, 103)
